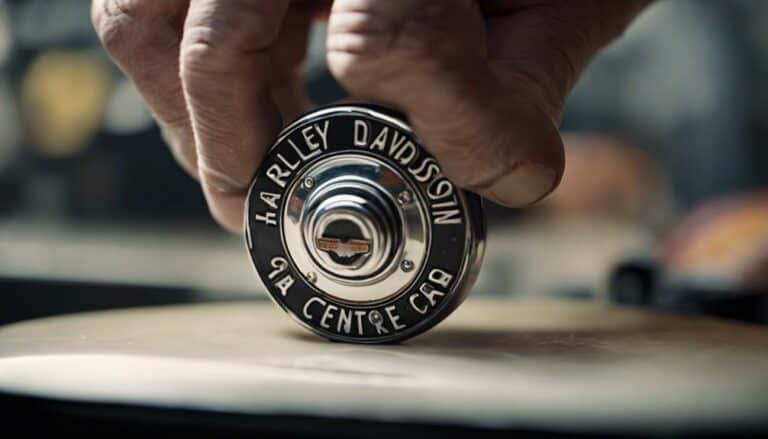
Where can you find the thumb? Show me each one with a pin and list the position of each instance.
(428, 59)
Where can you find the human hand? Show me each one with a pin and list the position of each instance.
(482, 82)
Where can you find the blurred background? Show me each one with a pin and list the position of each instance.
(663, 203)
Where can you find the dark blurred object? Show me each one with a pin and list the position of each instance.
(714, 262)
(27, 299)
(645, 283)
(634, 282)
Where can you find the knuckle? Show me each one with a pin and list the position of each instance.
(200, 59)
(420, 41)
(202, 56)
(125, 26)
(370, 45)
(243, 26)
(118, 22)
(360, 31)
(109, 21)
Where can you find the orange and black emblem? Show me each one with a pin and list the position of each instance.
(344, 249)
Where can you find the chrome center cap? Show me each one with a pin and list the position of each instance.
(356, 231)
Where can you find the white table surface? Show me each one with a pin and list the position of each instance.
(495, 363)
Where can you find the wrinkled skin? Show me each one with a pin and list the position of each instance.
(482, 82)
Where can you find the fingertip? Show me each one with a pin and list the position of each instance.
(226, 208)
(524, 185)
(518, 164)
(231, 222)
(539, 161)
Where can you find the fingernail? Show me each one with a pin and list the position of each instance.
(524, 186)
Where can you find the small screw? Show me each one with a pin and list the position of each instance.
(312, 277)
(309, 182)
(404, 198)
(406, 265)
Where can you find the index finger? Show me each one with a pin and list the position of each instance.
(225, 72)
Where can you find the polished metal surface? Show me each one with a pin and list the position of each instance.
(362, 191)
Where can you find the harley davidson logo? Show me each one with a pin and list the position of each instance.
(344, 249)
